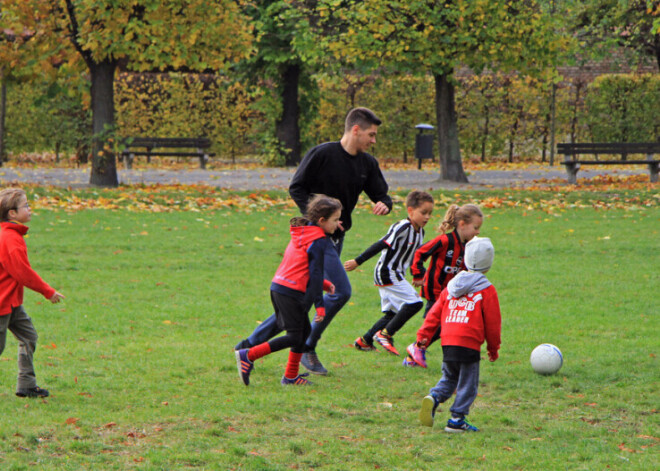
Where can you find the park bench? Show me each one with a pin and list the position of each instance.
(571, 152)
(152, 146)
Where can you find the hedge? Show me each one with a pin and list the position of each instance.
(500, 116)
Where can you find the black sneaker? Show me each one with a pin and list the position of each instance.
(243, 344)
(311, 361)
(33, 392)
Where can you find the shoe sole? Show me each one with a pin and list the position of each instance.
(426, 413)
(320, 373)
(362, 349)
(454, 430)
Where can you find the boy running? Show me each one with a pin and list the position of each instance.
(399, 300)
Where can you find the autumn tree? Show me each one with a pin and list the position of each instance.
(634, 25)
(23, 54)
(141, 35)
(286, 51)
(424, 36)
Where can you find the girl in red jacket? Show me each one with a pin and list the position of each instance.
(469, 312)
(15, 273)
(298, 282)
(446, 252)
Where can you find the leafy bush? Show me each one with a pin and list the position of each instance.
(624, 108)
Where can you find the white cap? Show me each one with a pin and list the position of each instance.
(479, 254)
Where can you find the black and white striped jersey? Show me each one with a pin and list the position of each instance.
(402, 241)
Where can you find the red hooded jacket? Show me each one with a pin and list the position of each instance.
(300, 273)
(15, 269)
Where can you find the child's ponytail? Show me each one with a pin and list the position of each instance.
(456, 213)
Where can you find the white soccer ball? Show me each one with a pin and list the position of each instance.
(546, 359)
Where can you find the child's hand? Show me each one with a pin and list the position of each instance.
(320, 314)
(418, 283)
(350, 265)
(492, 356)
(56, 298)
(329, 288)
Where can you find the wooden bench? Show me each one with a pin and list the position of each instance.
(152, 144)
(572, 150)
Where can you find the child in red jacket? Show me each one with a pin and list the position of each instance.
(446, 252)
(298, 283)
(469, 312)
(15, 273)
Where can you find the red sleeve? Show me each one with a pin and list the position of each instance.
(421, 254)
(432, 320)
(18, 267)
(492, 319)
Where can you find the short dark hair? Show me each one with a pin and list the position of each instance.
(363, 117)
(416, 197)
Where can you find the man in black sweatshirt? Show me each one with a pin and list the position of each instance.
(342, 170)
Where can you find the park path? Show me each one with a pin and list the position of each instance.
(278, 178)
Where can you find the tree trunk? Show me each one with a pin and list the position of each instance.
(3, 111)
(104, 166)
(484, 139)
(287, 128)
(451, 166)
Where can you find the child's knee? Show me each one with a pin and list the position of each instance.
(345, 294)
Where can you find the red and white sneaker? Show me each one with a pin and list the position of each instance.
(386, 341)
(362, 345)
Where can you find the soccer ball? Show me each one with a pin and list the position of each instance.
(546, 359)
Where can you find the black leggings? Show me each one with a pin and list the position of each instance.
(293, 317)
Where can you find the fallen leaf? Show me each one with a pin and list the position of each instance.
(623, 447)
(72, 420)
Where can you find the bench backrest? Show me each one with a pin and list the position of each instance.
(153, 142)
(608, 148)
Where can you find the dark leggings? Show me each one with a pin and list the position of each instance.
(291, 316)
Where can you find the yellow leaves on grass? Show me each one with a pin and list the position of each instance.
(160, 198)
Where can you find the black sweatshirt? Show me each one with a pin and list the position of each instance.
(330, 170)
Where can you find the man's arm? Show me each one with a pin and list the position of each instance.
(376, 189)
(301, 181)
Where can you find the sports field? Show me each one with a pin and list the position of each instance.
(161, 282)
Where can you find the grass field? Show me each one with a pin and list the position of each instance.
(140, 364)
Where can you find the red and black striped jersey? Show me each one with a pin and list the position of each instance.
(446, 252)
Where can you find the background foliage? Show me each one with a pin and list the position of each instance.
(501, 116)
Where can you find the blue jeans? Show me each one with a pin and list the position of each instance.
(333, 270)
(462, 377)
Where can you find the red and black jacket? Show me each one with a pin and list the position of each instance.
(446, 252)
(300, 274)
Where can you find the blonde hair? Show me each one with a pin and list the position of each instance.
(9, 198)
(456, 213)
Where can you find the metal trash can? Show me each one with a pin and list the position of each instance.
(423, 143)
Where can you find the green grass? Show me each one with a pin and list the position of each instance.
(140, 364)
